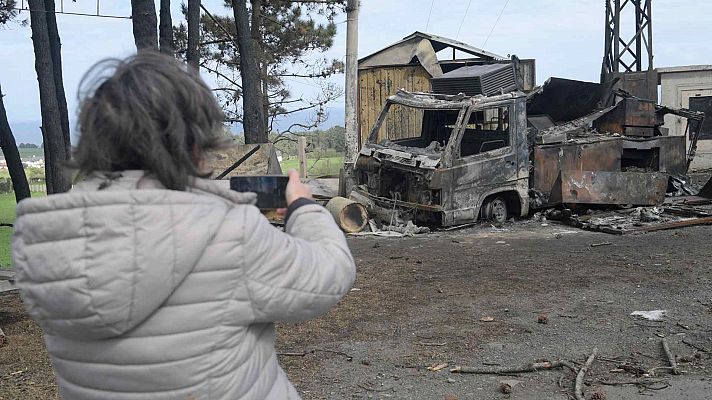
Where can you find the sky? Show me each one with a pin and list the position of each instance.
(564, 36)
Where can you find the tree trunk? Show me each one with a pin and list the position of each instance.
(55, 147)
(166, 28)
(265, 97)
(253, 120)
(55, 46)
(143, 16)
(12, 156)
(256, 35)
(193, 17)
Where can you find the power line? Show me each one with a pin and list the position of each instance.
(61, 11)
(463, 19)
(74, 13)
(495, 23)
(429, 13)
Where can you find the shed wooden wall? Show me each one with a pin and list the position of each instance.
(377, 84)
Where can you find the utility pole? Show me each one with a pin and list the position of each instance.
(352, 129)
(351, 118)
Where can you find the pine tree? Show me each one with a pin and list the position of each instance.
(283, 34)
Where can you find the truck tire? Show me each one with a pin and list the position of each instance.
(495, 210)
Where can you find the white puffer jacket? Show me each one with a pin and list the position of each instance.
(147, 293)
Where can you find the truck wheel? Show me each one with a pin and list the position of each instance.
(495, 210)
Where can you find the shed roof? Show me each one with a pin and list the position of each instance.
(422, 46)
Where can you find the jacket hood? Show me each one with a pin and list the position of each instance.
(95, 262)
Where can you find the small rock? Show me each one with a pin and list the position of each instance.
(450, 380)
(505, 388)
(543, 319)
(598, 395)
(495, 346)
(366, 361)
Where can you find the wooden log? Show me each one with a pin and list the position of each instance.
(670, 357)
(578, 388)
(533, 367)
(675, 225)
(351, 216)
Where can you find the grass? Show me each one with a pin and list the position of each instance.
(324, 166)
(7, 216)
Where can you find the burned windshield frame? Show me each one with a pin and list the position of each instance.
(458, 113)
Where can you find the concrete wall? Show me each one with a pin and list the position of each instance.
(677, 86)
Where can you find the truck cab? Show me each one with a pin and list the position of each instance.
(448, 160)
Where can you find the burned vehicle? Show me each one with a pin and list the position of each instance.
(447, 159)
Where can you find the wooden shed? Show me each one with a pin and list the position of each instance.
(409, 64)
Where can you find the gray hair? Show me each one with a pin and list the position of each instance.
(150, 114)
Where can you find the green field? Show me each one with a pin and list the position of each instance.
(315, 168)
(7, 216)
(28, 153)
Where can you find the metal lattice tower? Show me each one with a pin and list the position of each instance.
(623, 54)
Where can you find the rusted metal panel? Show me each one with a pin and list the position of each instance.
(640, 84)
(631, 117)
(599, 187)
(671, 150)
(550, 160)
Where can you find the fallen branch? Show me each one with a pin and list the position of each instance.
(601, 244)
(370, 389)
(578, 389)
(312, 351)
(670, 356)
(302, 354)
(644, 383)
(513, 370)
(695, 346)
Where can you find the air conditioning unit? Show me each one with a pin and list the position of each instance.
(475, 80)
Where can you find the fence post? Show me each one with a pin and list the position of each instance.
(302, 153)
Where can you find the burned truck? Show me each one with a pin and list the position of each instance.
(448, 159)
(444, 160)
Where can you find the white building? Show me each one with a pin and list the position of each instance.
(689, 87)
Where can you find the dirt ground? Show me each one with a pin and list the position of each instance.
(427, 301)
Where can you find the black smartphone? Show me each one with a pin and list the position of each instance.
(271, 189)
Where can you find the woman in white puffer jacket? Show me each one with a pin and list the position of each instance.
(153, 283)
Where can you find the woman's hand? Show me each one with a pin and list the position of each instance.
(295, 190)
